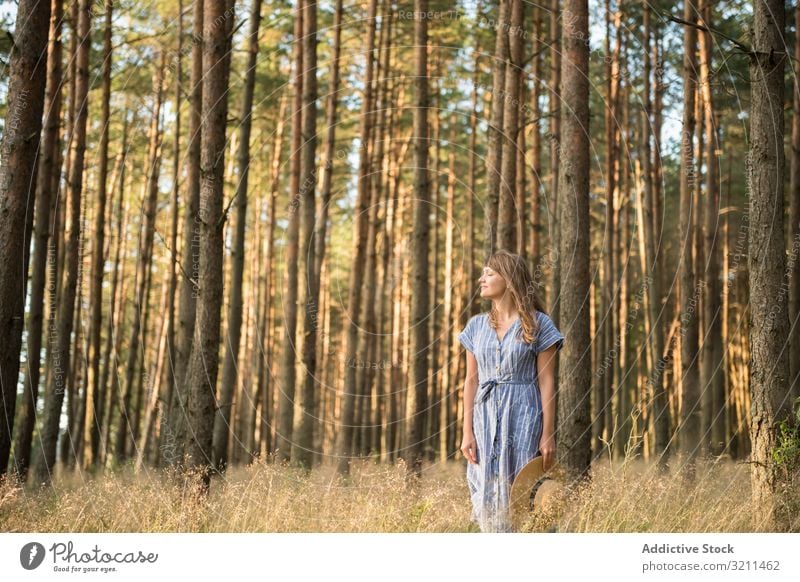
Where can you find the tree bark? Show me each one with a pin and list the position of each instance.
(54, 398)
(222, 422)
(95, 391)
(17, 167)
(344, 438)
(303, 454)
(418, 385)
(712, 373)
(175, 429)
(201, 372)
(494, 151)
(574, 450)
(689, 431)
(48, 176)
(769, 326)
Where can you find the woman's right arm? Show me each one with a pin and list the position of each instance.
(469, 446)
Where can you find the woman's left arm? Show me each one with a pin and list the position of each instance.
(545, 364)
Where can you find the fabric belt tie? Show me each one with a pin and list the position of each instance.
(485, 389)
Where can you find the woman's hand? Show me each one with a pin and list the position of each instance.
(547, 446)
(469, 446)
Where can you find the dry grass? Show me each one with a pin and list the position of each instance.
(622, 497)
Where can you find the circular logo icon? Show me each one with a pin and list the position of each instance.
(31, 555)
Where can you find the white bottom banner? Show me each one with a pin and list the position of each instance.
(399, 557)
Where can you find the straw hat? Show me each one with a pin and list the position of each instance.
(533, 488)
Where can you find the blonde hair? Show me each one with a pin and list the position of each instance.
(519, 283)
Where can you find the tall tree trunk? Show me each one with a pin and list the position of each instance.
(28, 73)
(573, 405)
(166, 442)
(265, 382)
(712, 374)
(660, 411)
(494, 152)
(176, 427)
(689, 431)
(793, 273)
(535, 109)
(769, 331)
(344, 438)
(54, 398)
(48, 176)
(554, 137)
(201, 372)
(416, 441)
(513, 34)
(94, 394)
(308, 172)
(114, 329)
(222, 422)
(472, 267)
(326, 187)
(287, 381)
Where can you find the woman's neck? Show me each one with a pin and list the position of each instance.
(505, 309)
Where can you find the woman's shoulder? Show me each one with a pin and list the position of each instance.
(478, 318)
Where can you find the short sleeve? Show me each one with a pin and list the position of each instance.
(467, 336)
(548, 334)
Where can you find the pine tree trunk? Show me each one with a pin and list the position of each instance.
(164, 435)
(660, 410)
(95, 394)
(574, 435)
(287, 381)
(554, 138)
(48, 175)
(769, 332)
(513, 35)
(201, 373)
(176, 424)
(54, 398)
(416, 441)
(222, 421)
(494, 148)
(711, 376)
(345, 436)
(21, 135)
(689, 431)
(304, 437)
(793, 273)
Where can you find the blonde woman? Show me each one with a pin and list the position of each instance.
(509, 393)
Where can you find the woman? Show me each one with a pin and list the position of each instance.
(509, 393)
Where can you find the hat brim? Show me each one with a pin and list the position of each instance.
(526, 483)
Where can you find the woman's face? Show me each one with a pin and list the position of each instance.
(492, 285)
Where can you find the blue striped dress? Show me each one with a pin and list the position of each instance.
(507, 416)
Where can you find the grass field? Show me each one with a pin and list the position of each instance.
(265, 497)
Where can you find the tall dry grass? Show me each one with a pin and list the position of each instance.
(621, 497)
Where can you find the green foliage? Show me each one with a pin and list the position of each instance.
(787, 452)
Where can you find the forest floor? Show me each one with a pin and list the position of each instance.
(626, 496)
